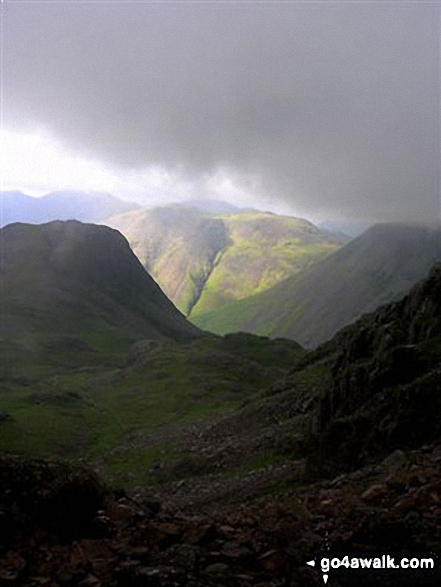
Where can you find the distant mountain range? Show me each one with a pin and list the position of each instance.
(203, 260)
(235, 269)
(61, 205)
(69, 287)
(379, 266)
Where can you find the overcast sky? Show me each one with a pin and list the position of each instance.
(323, 109)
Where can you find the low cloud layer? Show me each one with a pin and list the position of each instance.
(329, 109)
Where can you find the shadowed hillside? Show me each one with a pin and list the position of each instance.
(69, 287)
(383, 391)
(379, 266)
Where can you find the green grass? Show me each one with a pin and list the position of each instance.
(234, 317)
(226, 257)
(250, 267)
(123, 420)
(43, 429)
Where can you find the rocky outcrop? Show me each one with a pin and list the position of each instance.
(385, 378)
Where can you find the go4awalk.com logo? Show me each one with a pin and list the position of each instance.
(423, 567)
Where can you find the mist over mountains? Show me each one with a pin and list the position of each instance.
(60, 205)
(210, 393)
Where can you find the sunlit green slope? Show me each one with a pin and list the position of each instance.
(204, 260)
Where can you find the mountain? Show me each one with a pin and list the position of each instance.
(68, 286)
(379, 266)
(204, 260)
(61, 205)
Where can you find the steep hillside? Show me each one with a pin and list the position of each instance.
(385, 371)
(68, 286)
(379, 266)
(62, 205)
(203, 260)
(178, 246)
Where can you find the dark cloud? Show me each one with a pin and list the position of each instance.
(335, 106)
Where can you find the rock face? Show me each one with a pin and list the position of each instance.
(386, 373)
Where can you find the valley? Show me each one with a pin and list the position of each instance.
(194, 435)
(204, 260)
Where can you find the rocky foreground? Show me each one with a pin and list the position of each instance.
(63, 527)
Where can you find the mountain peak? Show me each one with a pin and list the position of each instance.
(69, 279)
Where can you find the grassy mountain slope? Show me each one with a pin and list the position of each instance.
(203, 260)
(264, 249)
(178, 246)
(124, 418)
(72, 289)
(379, 266)
(62, 205)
